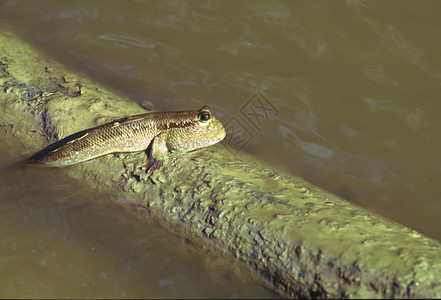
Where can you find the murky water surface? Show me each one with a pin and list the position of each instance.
(59, 240)
(345, 94)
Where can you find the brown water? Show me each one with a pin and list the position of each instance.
(352, 97)
(59, 240)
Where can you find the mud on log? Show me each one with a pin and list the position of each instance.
(303, 241)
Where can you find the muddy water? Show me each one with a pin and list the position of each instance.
(59, 240)
(344, 94)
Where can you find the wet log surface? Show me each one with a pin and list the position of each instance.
(301, 240)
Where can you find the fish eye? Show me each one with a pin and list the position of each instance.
(204, 116)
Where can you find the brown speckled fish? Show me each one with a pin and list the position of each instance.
(164, 131)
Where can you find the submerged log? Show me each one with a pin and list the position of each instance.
(302, 240)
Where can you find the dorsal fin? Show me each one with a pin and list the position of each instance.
(127, 120)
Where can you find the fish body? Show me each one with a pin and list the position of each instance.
(164, 131)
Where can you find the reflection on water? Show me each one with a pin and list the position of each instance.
(356, 83)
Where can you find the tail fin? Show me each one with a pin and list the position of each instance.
(37, 159)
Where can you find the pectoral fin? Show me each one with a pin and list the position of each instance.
(157, 152)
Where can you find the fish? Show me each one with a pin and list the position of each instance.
(161, 132)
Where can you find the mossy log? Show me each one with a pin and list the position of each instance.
(302, 240)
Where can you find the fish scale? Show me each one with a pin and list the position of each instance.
(166, 131)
